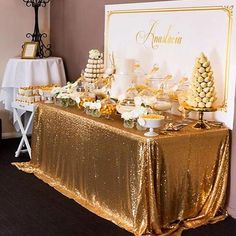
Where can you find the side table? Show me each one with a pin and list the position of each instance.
(29, 72)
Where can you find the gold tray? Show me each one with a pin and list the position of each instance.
(205, 109)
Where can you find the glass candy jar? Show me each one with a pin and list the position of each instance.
(86, 97)
(108, 107)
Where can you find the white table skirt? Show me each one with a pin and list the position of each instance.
(30, 72)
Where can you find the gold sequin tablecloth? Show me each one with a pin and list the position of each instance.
(161, 185)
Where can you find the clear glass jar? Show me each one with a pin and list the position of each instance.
(108, 107)
(96, 113)
(88, 111)
(129, 124)
(86, 97)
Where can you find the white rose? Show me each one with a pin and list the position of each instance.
(141, 121)
(95, 105)
(126, 116)
(77, 99)
(55, 91)
(86, 104)
(138, 101)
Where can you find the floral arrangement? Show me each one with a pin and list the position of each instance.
(134, 114)
(66, 91)
(93, 105)
(67, 94)
(143, 106)
(145, 101)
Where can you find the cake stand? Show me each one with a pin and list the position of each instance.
(150, 133)
(201, 123)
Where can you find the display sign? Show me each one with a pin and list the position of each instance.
(172, 34)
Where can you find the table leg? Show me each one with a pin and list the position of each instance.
(24, 131)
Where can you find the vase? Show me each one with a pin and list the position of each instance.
(64, 102)
(96, 113)
(129, 124)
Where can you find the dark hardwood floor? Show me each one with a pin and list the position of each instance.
(29, 207)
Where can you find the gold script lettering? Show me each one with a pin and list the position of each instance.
(156, 38)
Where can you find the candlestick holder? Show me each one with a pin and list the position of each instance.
(201, 123)
(36, 36)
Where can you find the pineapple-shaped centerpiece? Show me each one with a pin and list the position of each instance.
(203, 93)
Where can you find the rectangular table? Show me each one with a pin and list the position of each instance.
(145, 185)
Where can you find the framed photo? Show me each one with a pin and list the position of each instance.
(29, 50)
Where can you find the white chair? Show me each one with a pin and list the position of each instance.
(17, 111)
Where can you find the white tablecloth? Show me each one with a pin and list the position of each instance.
(29, 72)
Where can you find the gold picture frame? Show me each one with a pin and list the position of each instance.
(29, 50)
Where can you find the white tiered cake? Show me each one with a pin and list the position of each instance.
(123, 78)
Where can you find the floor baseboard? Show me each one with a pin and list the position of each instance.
(11, 135)
(232, 212)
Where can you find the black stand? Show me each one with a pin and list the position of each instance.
(43, 50)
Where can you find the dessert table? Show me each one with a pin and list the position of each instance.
(159, 185)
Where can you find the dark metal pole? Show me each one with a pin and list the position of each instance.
(43, 50)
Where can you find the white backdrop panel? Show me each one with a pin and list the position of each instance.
(172, 34)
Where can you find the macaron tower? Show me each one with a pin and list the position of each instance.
(95, 67)
(203, 93)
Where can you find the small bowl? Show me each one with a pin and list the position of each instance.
(151, 121)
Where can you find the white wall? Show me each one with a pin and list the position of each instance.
(232, 184)
(15, 21)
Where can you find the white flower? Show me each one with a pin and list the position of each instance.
(139, 111)
(126, 116)
(55, 91)
(77, 99)
(63, 95)
(138, 101)
(70, 87)
(134, 114)
(95, 105)
(63, 92)
(149, 101)
(74, 95)
(141, 121)
(145, 100)
(95, 54)
(86, 104)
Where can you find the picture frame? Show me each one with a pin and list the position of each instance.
(29, 50)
